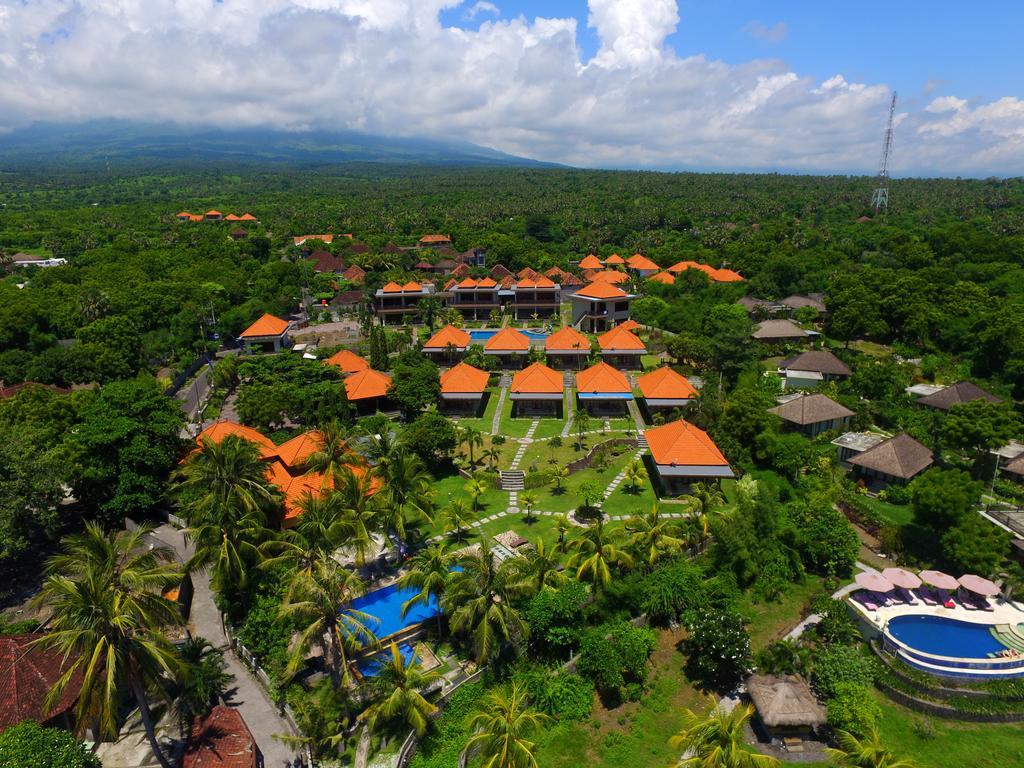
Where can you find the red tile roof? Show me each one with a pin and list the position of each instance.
(602, 378)
(462, 270)
(367, 384)
(354, 274)
(293, 453)
(463, 378)
(537, 379)
(220, 740)
(412, 287)
(665, 384)
(538, 282)
(527, 273)
(221, 429)
(679, 443)
(601, 291)
(682, 266)
(567, 339)
(348, 361)
(620, 338)
(487, 282)
(725, 276)
(429, 239)
(268, 325)
(392, 287)
(231, 217)
(323, 238)
(628, 325)
(247, 217)
(448, 335)
(27, 673)
(468, 283)
(507, 340)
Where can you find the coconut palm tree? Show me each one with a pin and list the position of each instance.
(429, 570)
(333, 456)
(320, 600)
(558, 476)
(582, 419)
(595, 553)
(652, 537)
(408, 489)
(539, 567)
(475, 489)
(562, 527)
(529, 501)
(400, 683)
(634, 475)
(867, 752)
(491, 456)
(501, 727)
(323, 526)
(481, 599)
(456, 516)
(109, 616)
(715, 740)
(473, 438)
(429, 307)
(359, 509)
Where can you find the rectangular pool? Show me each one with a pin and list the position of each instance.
(370, 667)
(385, 605)
(483, 334)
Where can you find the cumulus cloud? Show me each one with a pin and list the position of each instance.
(520, 85)
(481, 7)
(775, 33)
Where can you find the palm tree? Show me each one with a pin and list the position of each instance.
(559, 476)
(320, 598)
(429, 307)
(582, 419)
(428, 572)
(491, 456)
(500, 728)
(482, 596)
(333, 456)
(475, 489)
(595, 553)
(634, 475)
(540, 567)
(562, 526)
(456, 516)
(529, 501)
(473, 438)
(358, 507)
(109, 616)
(705, 501)
(206, 679)
(400, 684)
(652, 538)
(408, 488)
(716, 740)
(867, 752)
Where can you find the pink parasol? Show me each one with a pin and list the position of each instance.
(978, 585)
(876, 582)
(939, 579)
(902, 578)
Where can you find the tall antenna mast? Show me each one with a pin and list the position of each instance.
(880, 197)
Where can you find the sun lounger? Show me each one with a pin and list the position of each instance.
(966, 602)
(926, 594)
(864, 598)
(908, 597)
(882, 598)
(945, 599)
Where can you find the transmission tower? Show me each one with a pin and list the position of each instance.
(880, 197)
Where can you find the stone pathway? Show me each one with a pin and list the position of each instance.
(496, 420)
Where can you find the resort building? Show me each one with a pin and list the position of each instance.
(897, 460)
(448, 344)
(537, 391)
(615, 261)
(596, 307)
(641, 265)
(665, 278)
(613, 276)
(221, 739)
(509, 346)
(435, 241)
(590, 261)
(27, 674)
(810, 415)
(808, 369)
(213, 215)
(300, 240)
(347, 361)
(850, 444)
(603, 390)
(684, 454)
(664, 389)
(220, 430)
(400, 301)
(463, 389)
(957, 394)
(814, 301)
(475, 299)
(538, 297)
(621, 347)
(779, 332)
(567, 348)
(367, 390)
(785, 706)
(268, 334)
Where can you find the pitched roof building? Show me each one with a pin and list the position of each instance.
(537, 390)
(347, 361)
(664, 388)
(898, 459)
(590, 261)
(567, 346)
(685, 454)
(268, 332)
(463, 385)
(367, 385)
(958, 394)
(446, 340)
(785, 704)
(221, 740)
(27, 674)
(813, 414)
(220, 430)
(779, 331)
(622, 345)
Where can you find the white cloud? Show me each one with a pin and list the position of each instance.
(520, 85)
(481, 7)
(776, 33)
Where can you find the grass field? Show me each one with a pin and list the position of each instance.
(770, 621)
(894, 514)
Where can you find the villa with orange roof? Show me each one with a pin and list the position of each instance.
(448, 343)
(664, 389)
(612, 276)
(665, 278)
(213, 216)
(590, 261)
(268, 334)
(567, 348)
(603, 390)
(220, 430)
(367, 390)
(435, 241)
(684, 454)
(509, 346)
(400, 301)
(464, 389)
(614, 261)
(641, 265)
(621, 347)
(537, 391)
(475, 299)
(540, 296)
(347, 361)
(599, 306)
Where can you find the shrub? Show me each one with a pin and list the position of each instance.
(617, 657)
(853, 709)
(717, 649)
(559, 693)
(838, 664)
(556, 617)
(30, 745)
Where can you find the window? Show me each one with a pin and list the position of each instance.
(622, 306)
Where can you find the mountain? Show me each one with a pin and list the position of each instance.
(115, 141)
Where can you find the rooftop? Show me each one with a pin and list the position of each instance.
(665, 278)
(27, 673)
(348, 361)
(590, 261)
(220, 740)
(784, 701)
(901, 457)
(567, 339)
(219, 430)
(620, 339)
(811, 409)
(599, 290)
(457, 337)
(508, 340)
(268, 325)
(602, 378)
(958, 394)
(463, 378)
(367, 384)
(859, 441)
(778, 329)
(537, 379)
(817, 360)
(681, 443)
(665, 384)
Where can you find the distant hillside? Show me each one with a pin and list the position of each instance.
(120, 142)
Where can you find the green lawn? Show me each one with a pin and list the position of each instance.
(770, 621)
(483, 423)
(894, 514)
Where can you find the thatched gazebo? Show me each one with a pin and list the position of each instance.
(785, 705)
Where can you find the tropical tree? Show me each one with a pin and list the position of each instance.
(705, 500)
(501, 727)
(867, 752)
(109, 619)
(333, 457)
(400, 684)
(430, 307)
(491, 456)
(652, 537)
(429, 571)
(205, 680)
(582, 419)
(529, 501)
(473, 438)
(407, 485)
(475, 489)
(481, 597)
(562, 527)
(358, 508)
(319, 600)
(634, 475)
(558, 477)
(456, 516)
(716, 740)
(553, 445)
(539, 567)
(595, 553)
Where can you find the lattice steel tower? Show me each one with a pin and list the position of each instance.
(880, 197)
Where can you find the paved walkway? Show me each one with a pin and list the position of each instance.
(260, 714)
(496, 421)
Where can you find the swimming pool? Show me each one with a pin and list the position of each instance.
(385, 605)
(370, 666)
(940, 636)
(486, 333)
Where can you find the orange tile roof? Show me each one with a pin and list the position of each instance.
(436, 239)
(555, 272)
(639, 261)
(681, 443)
(538, 282)
(620, 338)
(221, 429)
(348, 361)
(367, 384)
(590, 261)
(195, 217)
(247, 217)
(450, 284)
(268, 325)
(537, 379)
(628, 325)
(303, 238)
(726, 276)
(611, 276)
(469, 282)
(602, 378)
(213, 213)
(293, 453)
(507, 339)
(614, 259)
(487, 282)
(665, 278)
(231, 217)
(412, 287)
(567, 339)
(601, 291)
(665, 384)
(457, 337)
(527, 273)
(463, 378)
(185, 214)
(392, 287)
(706, 269)
(682, 266)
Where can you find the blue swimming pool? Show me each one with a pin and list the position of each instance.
(385, 605)
(940, 636)
(370, 667)
(486, 333)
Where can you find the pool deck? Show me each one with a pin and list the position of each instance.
(1006, 612)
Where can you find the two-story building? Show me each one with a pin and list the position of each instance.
(400, 303)
(540, 296)
(475, 299)
(599, 306)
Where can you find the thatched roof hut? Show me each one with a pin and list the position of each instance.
(785, 704)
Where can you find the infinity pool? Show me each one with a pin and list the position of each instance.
(940, 636)
(485, 334)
